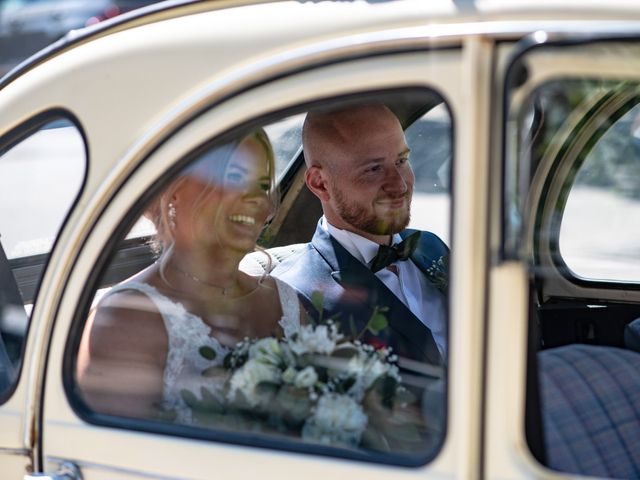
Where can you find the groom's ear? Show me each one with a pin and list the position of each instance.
(316, 181)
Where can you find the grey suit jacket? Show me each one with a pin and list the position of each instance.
(351, 291)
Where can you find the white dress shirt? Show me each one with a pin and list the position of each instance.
(410, 285)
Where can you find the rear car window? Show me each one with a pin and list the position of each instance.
(40, 176)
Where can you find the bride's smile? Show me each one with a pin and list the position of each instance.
(243, 219)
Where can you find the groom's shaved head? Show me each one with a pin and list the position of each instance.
(358, 166)
(328, 135)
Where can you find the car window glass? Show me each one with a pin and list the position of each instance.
(430, 141)
(40, 177)
(286, 138)
(585, 130)
(601, 220)
(198, 335)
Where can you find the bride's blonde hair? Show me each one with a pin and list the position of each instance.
(211, 166)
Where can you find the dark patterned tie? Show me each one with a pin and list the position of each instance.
(395, 253)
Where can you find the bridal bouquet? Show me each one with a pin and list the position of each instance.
(314, 383)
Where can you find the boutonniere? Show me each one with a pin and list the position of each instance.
(438, 273)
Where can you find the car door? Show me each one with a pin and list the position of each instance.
(568, 202)
(108, 446)
(42, 156)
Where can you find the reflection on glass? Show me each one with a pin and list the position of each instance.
(286, 137)
(431, 155)
(195, 339)
(584, 132)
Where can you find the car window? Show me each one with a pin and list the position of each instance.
(50, 162)
(602, 244)
(239, 344)
(587, 129)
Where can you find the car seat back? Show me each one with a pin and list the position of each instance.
(590, 406)
(261, 262)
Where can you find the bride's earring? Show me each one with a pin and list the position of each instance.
(171, 213)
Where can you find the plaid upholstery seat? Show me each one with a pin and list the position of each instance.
(590, 406)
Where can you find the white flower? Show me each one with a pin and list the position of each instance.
(306, 378)
(247, 377)
(267, 351)
(289, 375)
(310, 339)
(367, 368)
(336, 419)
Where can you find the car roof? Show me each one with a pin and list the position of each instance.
(433, 11)
(353, 14)
(164, 55)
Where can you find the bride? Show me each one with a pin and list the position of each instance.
(141, 344)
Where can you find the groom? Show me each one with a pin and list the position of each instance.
(358, 166)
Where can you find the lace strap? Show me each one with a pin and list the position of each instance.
(290, 321)
(184, 329)
(166, 306)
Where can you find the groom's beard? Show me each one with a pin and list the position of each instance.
(368, 221)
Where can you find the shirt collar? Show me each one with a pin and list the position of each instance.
(360, 247)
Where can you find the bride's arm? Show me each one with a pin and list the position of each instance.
(122, 356)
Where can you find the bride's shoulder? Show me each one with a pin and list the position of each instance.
(135, 300)
(125, 304)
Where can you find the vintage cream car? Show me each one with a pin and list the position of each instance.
(523, 121)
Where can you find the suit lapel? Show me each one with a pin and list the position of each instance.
(420, 256)
(431, 256)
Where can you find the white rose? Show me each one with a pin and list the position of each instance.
(320, 339)
(289, 375)
(367, 369)
(247, 377)
(266, 350)
(337, 419)
(306, 378)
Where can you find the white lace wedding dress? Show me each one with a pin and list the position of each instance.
(188, 332)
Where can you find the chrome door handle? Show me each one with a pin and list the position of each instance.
(66, 471)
